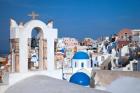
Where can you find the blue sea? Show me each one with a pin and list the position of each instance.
(4, 53)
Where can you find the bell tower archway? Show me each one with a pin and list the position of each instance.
(37, 53)
(23, 34)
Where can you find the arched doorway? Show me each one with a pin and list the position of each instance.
(37, 50)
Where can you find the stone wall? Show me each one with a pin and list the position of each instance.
(105, 77)
(15, 46)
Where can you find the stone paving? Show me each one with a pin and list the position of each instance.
(45, 84)
(17, 77)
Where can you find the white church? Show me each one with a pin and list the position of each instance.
(21, 42)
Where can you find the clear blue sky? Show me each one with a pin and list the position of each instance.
(73, 18)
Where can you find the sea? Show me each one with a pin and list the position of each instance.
(4, 53)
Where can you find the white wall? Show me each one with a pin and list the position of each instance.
(79, 62)
(24, 33)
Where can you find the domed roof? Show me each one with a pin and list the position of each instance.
(80, 55)
(62, 50)
(80, 78)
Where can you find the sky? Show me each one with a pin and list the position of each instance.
(73, 18)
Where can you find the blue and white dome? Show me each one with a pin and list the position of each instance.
(80, 78)
(80, 55)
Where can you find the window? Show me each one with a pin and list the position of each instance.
(91, 63)
(82, 64)
(96, 58)
(75, 64)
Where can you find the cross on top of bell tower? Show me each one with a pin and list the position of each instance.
(33, 15)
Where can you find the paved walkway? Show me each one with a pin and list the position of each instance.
(125, 85)
(17, 77)
(45, 84)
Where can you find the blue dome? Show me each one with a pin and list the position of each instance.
(80, 78)
(62, 50)
(80, 55)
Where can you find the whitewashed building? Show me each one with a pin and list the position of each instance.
(136, 35)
